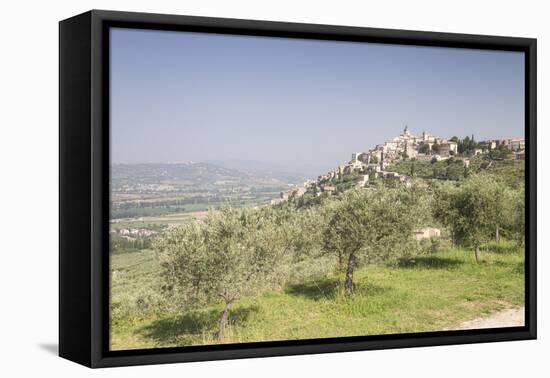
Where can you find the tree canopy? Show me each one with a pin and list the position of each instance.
(367, 226)
(235, 252)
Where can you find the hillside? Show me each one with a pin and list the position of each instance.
(456, 169)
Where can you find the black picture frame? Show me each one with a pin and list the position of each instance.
(84, 187)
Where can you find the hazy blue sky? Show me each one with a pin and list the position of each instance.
(188, 96)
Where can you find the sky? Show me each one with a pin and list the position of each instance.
(306, 104)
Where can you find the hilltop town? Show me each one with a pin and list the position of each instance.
(364, 167)
(148, 198)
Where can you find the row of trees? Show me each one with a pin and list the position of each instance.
(242, 252)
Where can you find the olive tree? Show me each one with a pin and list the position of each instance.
(513, 217)
(231, 254)
(367, 226)
(474, 211)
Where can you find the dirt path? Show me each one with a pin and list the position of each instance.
(514, 317)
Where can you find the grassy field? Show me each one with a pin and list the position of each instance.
(428, 293)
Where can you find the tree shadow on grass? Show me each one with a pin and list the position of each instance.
(330, 289)
(315, 290)
(428, 262)
(514, 267)
(190, 328)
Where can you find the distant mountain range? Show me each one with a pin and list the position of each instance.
(198, 176)
(295, 174)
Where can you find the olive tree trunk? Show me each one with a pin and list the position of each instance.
(497, 234)
(348, 283)
(477, 253)
(453, 241)
(223, 322)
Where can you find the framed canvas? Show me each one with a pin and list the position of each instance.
(235, 188)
